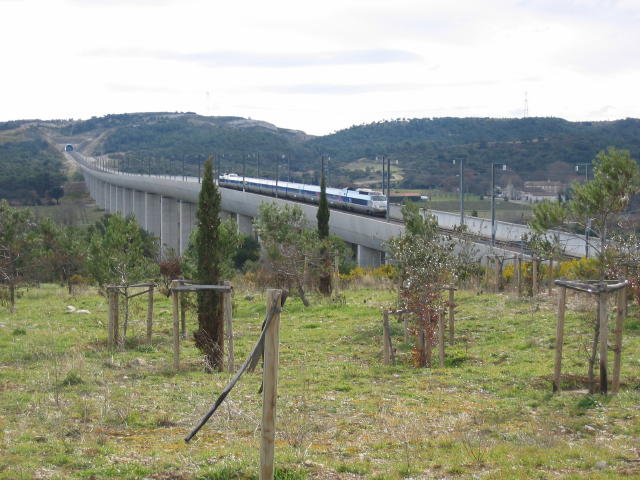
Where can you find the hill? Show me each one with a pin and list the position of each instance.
(422, 150)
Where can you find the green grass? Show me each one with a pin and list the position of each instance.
(72, 409)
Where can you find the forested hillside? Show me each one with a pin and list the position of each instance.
(422, 150)
(31, 171)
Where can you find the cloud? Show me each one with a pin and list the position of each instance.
(268, 60)
(126, 88)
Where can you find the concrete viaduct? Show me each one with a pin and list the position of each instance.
(166, 207)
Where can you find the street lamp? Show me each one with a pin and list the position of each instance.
(503, 167)
(461, 190)
(587, 225)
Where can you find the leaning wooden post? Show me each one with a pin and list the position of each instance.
(441, 337)
(176, 327)
(617, 350)
(228, 325)
(452, 335)
(562, 302)
(270, 387)
(386, 338)
(111, 318)
(604, 336)
(149, 314)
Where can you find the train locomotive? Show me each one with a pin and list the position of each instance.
(361, 200)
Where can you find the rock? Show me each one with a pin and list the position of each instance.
(82, 311)
(71, 309)
(138, 362)
(589, 428)
(601, 465)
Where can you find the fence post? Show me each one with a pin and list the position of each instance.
(270, 387)
(176, 327)
(183, 315)
(534, 277)
(149, 314)
(617, 359)
(519, 275)
(452, 335)
(386, 338)
(441, 337)
(111, 318)
(604, 336)
(228, 324)
(559, 338)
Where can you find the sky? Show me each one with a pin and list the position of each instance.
(321, 66)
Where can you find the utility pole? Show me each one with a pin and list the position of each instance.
(587, 224)
(503, 166)
(461, 160)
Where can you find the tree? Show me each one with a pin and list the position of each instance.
(116, 253)
(65, 249)
(601, 201)
(209, 337)
(19, 243)
(326, 262)
(425, 263)
(289, 245)
(56, 193)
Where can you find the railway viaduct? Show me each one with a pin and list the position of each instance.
(166, 207)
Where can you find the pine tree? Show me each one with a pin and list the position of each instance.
(209, 337)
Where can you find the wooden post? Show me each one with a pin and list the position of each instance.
(441, 337)
(270, 388)
(176, 328)
(183, 315)
(617, 359)
(534, 277)
(405, 326)
(386, 339)
(149, 314)
(519, 275)
(604, 337)
(562, 302)
(110, 340)
(452, 335)
(228, 325)
(117, 339)
(126, 314)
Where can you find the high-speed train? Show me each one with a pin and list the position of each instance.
(360, 200)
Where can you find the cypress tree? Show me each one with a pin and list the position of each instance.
(323, 211)
(324, 285)
(209, 337)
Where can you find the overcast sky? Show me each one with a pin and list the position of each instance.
(321, 66)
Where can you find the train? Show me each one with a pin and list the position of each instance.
(363, 200)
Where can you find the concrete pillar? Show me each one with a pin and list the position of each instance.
(368, 257)
(153, 214)
(127, 202)
(120, 200)
(245, 224)
(139, 207)
(187, 223)
(112, 198)
(169, 225)
(105, 196)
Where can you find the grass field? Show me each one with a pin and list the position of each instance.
(72, 409)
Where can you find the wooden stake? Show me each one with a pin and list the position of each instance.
(176, 329)
(562, 302)
(149, 314)
(617, 359)
(441, 337)
(519, 275)
(228, 325)
(110, 340)
(452, 334)
(604, 334)
(386, 339)
(270, 388)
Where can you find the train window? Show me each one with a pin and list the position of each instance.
(379, 198)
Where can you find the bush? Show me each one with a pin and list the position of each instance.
(580, 269)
